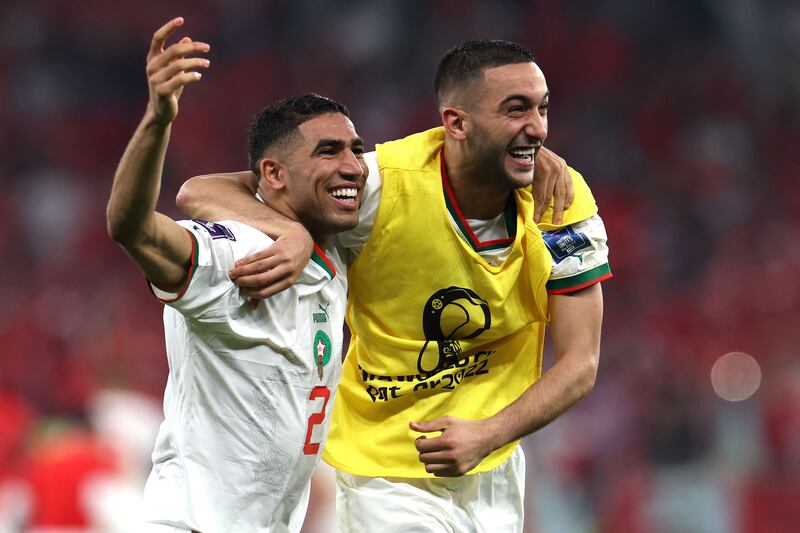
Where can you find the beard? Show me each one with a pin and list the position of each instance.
(488, 158)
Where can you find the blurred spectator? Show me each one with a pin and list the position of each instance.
(684, 117)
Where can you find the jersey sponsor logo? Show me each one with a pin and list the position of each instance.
(321, 317)
(450, 315)
(217, 231)
(386, 388)
(564, 243)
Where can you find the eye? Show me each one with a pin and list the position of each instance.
(358, 151)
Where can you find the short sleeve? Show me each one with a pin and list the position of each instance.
(207, 291)
(580, 255)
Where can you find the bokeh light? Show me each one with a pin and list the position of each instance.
(735, 376)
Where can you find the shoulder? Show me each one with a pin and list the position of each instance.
(414, 152)
(241, 239)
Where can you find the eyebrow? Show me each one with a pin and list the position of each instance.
(523, 97)
(338, 144)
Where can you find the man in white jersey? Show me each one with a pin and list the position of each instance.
(449, 295)
(250, 390)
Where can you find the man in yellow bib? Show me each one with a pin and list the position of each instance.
(451, 286)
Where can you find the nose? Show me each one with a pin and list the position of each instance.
(536, 127)
(350, 167)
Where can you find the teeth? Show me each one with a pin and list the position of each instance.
(344, 193)
(526, 154)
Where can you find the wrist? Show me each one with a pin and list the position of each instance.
(496, 432)
(155, 121)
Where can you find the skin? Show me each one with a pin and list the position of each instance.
(329, 156)
(159, 246)
(326, 155)
(507, 109)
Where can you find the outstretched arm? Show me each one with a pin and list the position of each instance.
(575, 324)
(158, 245)
(232, 197)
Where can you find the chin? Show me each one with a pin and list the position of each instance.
(343, 224)
(518, 180)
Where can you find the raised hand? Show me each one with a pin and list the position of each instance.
(169, 70)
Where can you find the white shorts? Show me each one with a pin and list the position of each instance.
(151, 527)
(489, 502)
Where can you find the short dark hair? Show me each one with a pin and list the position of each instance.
(466, 62)
(278, 122)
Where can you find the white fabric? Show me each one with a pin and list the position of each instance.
(590, 248)
(242, 393)
(161, 528)
(489, 502)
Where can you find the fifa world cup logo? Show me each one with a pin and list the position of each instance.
(450, 315)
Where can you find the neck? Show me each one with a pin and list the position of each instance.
(285, 212)
(477, 196)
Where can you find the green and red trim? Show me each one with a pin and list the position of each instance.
(319, 257)
(580, 281)
(510, 214)
(189, 275)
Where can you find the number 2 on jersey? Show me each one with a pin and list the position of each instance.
(311, 448)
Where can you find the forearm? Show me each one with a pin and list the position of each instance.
(231, 196)
(137, 182)
(575, 328)
(569, 380)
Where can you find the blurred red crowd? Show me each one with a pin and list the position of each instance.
(682, 118)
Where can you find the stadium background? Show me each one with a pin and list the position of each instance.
(683, 116)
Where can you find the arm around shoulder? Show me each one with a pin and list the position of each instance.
(221, 196)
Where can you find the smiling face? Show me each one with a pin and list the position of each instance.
(319, 177)
(508, 115)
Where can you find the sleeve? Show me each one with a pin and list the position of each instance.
(354, 240)
(580, 255)
(208, 292)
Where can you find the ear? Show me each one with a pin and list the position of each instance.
(456, 122)
(272, 174)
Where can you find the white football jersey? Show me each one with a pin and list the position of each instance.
(250, 390)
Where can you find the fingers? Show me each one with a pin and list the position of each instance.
(264, 292)
(541, 174)
(440, 424)
(267, 283)
(570, 191)
(442, 462)
(177, 67)
(178, 81)
(176, 51)
(267, 272)
(161, 35)
(169, 70)
(247, 269)
(559, 197)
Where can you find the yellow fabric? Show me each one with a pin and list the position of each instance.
(583, 205)
(411, 265)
